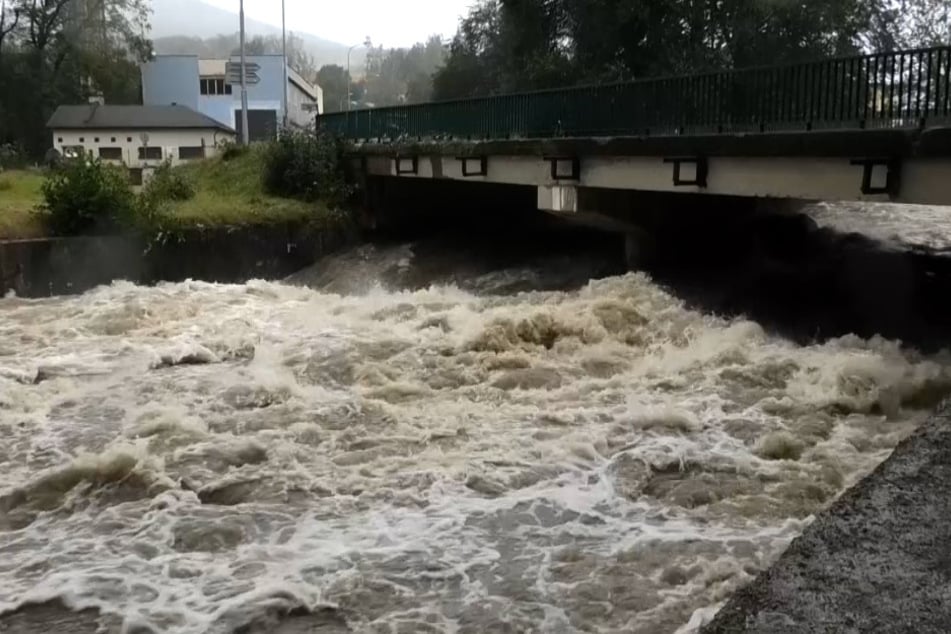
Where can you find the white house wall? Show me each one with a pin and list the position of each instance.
(131, 140)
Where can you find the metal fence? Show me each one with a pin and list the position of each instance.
(897, 89)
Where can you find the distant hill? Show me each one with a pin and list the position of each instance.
(183, 26)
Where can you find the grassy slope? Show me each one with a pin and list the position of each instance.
(20, 194)
(226, 193)
(232, 193)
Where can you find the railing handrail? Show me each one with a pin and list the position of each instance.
(903, 88)
(650, 80)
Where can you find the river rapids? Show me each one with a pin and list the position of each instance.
(200, 458)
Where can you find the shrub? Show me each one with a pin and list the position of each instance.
(307, 165)
(231, 151)
(11, 156)
(85, 196)
(168, 184)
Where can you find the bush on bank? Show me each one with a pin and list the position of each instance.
(87, 196)
(307, 165)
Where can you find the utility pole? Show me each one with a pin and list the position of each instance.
(244, 87)
(284, 35)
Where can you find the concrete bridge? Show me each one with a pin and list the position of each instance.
(872, 127)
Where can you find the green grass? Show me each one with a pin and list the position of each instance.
(20, 194)
(232, 193)
(227, 193)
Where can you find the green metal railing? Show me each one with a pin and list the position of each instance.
(898, 89)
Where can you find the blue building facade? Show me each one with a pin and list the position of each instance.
(200, 85)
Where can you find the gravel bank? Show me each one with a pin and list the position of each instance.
(879, 560)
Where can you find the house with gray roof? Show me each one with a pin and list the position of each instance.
(139, 137)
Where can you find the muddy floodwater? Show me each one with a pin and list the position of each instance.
(191, 457)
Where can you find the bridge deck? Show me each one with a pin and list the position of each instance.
(932, 142)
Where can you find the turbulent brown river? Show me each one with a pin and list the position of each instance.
(450, 459)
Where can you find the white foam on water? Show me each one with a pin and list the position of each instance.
(193, 455)
(905, 225)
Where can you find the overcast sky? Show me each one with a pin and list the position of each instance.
(386, 22)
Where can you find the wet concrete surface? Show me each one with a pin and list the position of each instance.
(879, 560)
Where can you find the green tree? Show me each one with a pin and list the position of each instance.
(64, 51)
(403, 75)
(333, 79)
(297, 56)
(512, 45)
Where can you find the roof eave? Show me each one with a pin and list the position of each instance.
(222, 128)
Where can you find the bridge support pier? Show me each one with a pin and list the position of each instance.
(638, 249)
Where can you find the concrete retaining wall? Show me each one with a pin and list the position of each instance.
(58, 266)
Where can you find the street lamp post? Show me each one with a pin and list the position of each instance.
(284, 36)
(245, 138)
(367, 43)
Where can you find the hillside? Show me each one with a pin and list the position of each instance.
(196, 35)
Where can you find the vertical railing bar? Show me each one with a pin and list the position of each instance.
(799, 92)
(779, 95)
(844, 92)
(762, 106)
(771, 96)
(782, 92)
(836, 93)
(701, 107)
(788, 94)
(851, 104)
(928, 80)
(888, 114)
(751, 81)
(921, 63)
(939, 84)
(901, 88)
(856, 89)
(947, 82)
(827, 102)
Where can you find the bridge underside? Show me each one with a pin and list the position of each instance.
(906, 166)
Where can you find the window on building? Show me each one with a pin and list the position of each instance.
(135, 176)
(113, 140)
(110, 153)
(214, 87)
(96, 140)
(59, 140)
(73, 151)
(128, 139)
(186, 153)
(82, 139)
(150, 153)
